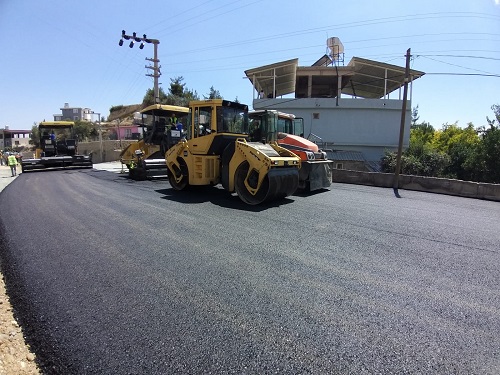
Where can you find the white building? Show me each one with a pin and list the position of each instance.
(357, 107)
(73, 114)
(14, 139)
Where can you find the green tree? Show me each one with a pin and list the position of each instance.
(486, 161)
(421, 133)
(213, 94)
(418, 160)
(459, 144)
(414, 115)
(149, 98)
(35, 135)
(83, 129)
(496, 110)
(179, 94)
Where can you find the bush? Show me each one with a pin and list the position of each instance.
(115, 108)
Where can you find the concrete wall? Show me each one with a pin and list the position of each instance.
(367, 125)
(428, 184)
(110, 150)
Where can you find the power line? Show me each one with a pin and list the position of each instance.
(458, 66)
(461, 56)
(466, 74)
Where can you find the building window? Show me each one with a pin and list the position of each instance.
(315, 116)
(76, 118)
(16, 143)
(340, 166)
(75, 110)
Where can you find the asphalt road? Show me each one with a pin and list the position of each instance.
(112, 276)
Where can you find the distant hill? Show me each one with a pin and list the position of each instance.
(124, 112)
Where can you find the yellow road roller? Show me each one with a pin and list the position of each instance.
(218, 150)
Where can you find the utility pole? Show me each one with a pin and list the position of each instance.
(156, 68)
(395, 185)
(100, 135)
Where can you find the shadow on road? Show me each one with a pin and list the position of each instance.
(217, 196)
(303, 193)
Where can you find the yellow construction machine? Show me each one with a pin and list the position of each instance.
(58, 148)
(218, 149)
(288, 131)
(162, 127)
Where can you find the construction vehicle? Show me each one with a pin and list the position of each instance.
(58, 148)
(288, 131)
(217, 150)
(146, 157)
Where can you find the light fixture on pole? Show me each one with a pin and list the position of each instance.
(156, 68)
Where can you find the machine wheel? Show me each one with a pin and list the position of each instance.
(241, 189)
(184, 182)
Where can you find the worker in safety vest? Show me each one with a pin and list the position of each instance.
(173, 120)
(12, 163)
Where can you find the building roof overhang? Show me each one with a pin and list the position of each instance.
(374, 79)
(361, 77)
(280, 76)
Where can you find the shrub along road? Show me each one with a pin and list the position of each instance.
(114, 276)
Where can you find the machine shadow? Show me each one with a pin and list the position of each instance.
(304, 193)
(218, 196)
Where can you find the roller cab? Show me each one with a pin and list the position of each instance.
(162, 127)
(288, 131)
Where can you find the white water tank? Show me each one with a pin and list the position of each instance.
(336, 47)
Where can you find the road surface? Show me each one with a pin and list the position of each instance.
(112, 276)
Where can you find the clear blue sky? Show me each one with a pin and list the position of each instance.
(66, 51)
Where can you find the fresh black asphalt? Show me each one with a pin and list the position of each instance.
(113, 276)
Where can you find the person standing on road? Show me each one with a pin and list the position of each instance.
(1, 157)
(12, 163)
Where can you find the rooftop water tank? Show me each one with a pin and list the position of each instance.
(336, 47)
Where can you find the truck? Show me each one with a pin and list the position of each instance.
(288, 131)
(58, 148)
(218, 150)
(145, 159)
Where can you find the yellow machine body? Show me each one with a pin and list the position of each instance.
(217, 150)
(145, 158)
(58, 148)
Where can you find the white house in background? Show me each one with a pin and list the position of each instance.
(14, 138)
(73, 114)
(347, 108)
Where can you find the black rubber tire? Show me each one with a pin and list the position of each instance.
(184, 182)
(241, 190)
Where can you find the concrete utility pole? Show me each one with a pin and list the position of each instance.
(402, 125)
(156, 68)
(100, 135)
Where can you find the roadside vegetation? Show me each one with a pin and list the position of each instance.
(469, 154)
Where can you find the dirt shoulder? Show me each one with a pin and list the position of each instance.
(15, 355)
